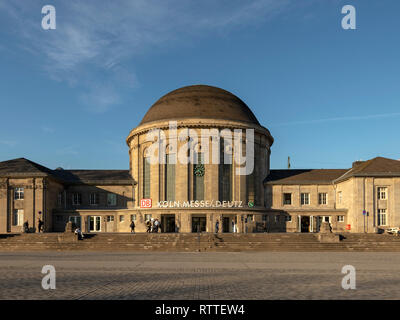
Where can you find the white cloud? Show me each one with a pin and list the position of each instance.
(96, 37)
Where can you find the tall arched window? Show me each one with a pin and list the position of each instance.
(251, 188)
(170, 175)
(225, 174)
(146, 175)
(198, 175)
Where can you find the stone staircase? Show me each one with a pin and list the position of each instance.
(191, 242)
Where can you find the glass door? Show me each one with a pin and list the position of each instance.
(94, 223)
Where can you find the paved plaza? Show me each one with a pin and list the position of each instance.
(266, 275)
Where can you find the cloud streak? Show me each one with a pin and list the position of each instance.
(350, 118)
(94, 39)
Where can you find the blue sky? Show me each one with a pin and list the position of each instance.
(70, 96)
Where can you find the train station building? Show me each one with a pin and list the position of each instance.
(200, 156)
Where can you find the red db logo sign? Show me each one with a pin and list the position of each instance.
(348, 227)
(145, 203)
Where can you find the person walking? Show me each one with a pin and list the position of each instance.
(216, 226)
(148, 224)
(132, 227)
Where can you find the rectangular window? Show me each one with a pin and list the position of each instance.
(111, 199)
(276, 218)
(288, 218)
(19, 194)
(94, 199)
(121, 218)
(170, 177)
(382, 218)
(133, 217)
(147, 217)
(340, 197)
(340, 218)
(287, 199)
(326, 219)
(146, 178)
(76, 199)
(322, 198)
(18, 218)
(264, 217)
(110, 218)
(305, 199)
(382, 193)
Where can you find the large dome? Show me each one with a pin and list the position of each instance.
(200, 101)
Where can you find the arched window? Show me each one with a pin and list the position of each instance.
(198, 174)
(225, 172)
(251, 188)
(170, 175)
(146, 175)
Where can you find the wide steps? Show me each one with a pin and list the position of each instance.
(197, 242)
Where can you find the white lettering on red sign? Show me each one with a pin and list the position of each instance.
(145, 203)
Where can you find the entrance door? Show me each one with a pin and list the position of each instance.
(168, 223)
(199, 224)
(94, 223)
(226, 224)
(110, 224)
(305, 224)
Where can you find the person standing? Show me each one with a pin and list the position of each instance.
(40, 225)
(26, 226)
(216, 226)
(132, 227)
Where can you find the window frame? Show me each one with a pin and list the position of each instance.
(284, 198)
(324, 199)
(302, 200)
(382, 212)
(19, 193)
(94, 199)
(76, 199)
(382, 191)
(112, 196)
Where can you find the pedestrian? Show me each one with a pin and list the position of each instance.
(79, 233)
(156, 225)
(40, 225)
(26, 226)
(148, 224)
(216, 226)
(132, 227)
(233, 226)
(152, 225)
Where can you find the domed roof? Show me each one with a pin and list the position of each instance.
(199, 101)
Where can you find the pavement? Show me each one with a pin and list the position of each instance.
(199, 276)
